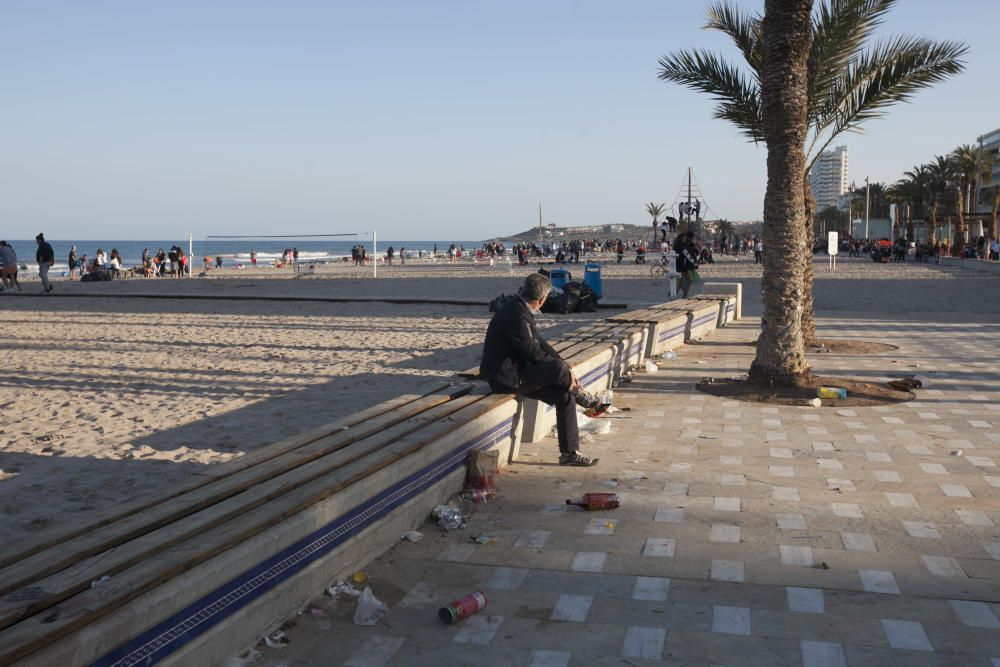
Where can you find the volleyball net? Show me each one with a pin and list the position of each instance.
(282, 251)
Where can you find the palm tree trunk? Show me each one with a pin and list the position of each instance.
(993, 211)
(808, 312)
(958, 244)
(787, 36)
(932, 232)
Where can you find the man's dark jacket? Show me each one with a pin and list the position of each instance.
(512, 342)
(44, 254)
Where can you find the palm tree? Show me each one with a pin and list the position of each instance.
(938, 174)
(915, 184)
(784, 103)
(994, 210)
(848, 85)
(655, 210)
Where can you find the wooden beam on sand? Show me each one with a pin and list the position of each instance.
(73, 567)
(40, 630)
(32, 545)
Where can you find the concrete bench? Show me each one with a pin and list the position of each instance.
(197, 575)
(666, 328)
(734, 290)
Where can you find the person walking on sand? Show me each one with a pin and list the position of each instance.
(8, 267)
(73, 262)
(45, 258)
(516, 360)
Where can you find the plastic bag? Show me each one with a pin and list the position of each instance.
(651, 367)
(370, 609)
(484, 466)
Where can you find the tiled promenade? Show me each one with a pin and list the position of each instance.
(748, 534)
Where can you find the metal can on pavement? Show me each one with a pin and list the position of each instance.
(465, 606)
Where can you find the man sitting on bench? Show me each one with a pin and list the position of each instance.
(517, 360)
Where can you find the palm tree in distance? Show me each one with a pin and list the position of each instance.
(655, 210)
(915, 184)
(850, 82)
(938, 175)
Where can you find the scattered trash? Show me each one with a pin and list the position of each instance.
(587, 424)
(448, 517)
(370, 609)
(816, 403)
(905, 384)
(821, 566)
(651, 367)
(100, 582)
(956, 452)
(922, 379)
(831, 392)
(698, 361)
(412, 536)
(597, 501)
(610, 482)
(276, 639)
(483, 538)
(317, 612)
(478, 495)
(340, 586)
(458, 609)
(359, 577)
(669, 354)
(484, 466)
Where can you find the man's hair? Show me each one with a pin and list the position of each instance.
(535, 287)
(40, 237)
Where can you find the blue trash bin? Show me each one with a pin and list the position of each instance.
(559, 277)
(592, 277)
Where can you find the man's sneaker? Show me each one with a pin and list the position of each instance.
(576, 459)
(587, 400)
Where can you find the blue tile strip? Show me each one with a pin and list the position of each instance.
(166, 637)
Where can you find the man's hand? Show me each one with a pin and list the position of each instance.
(576, 386)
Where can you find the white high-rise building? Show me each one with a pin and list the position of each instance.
(989, 143)
(828, 177)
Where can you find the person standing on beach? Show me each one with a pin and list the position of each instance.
(253, 258)
(45, 258)
(8, 266)
(73, 261)
(295, 258)
(516, 360)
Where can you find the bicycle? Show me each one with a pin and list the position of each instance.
(659, 268)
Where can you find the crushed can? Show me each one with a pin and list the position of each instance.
(458, 609)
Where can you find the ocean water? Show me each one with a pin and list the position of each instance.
(233, 252)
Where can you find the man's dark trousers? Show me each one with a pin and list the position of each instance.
(549, 382)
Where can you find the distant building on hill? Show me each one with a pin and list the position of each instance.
(828, 177)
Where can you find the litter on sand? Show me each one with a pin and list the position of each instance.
(412, 536)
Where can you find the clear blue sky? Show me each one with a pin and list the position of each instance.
(429, 120)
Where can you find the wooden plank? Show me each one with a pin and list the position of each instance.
(32, 545)
(26, 637)
(69, 581)
(108, 536)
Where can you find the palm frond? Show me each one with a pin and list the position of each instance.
(890, 73)
(737, 96)
(743, 28)
(840, 30)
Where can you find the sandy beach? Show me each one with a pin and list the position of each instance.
(107, 397)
